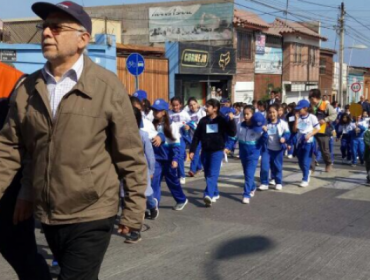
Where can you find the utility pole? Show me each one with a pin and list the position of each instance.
(286, 10)
(341, 53)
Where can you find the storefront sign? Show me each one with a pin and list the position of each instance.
(202, 59)
(271, 62)
(8, 55)
(260, 44)
(191, 23)
(194, 58)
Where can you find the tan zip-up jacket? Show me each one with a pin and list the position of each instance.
(73, 163)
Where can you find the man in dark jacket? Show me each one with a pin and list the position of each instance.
(17, 242)
(365, 105)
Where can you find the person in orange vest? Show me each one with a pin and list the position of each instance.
(17, 242)
(326, 115)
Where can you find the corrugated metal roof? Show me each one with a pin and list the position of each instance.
(245, 17)
(23, 32)
(289, 27)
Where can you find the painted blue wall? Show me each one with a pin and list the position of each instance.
(172, 54)
(30, 58)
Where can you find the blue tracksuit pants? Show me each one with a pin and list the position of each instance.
(265, 166)
(164, 168)
(276, 165)
(292, 143)
(304, 155)
(345, 147)
(196, 163)
(212, 165)
(249, 158)
(358, 150)
(181, 167)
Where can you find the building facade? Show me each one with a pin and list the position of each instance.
(326, 72)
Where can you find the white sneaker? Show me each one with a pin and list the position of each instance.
(279, 187)
(263, 187)
(253, 193)
(309, 176)
(290, 156)
(215, 198)
(246, 200)
(182, 181)
(207, 201)
(272, 183)
(304, 184)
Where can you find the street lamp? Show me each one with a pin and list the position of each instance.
(341, 55)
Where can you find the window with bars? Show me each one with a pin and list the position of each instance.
(322, 65)
(244, 49)
(298, 53)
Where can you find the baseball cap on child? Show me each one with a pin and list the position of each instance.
(258, 121)
(160, 105)
(303, 104)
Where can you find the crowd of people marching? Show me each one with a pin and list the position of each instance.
(266, 131)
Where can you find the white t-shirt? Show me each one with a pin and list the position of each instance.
(149, 116)
(180, 118)
(345, 129)
(275, 132)
(197, 116)
(306, 125)
(149, 128)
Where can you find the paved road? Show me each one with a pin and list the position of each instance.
(321, 232)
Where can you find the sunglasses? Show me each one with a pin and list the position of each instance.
(55, 28)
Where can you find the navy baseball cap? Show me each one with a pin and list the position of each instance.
(160, 105)
(44, 9)
(225, 100)
(140, 94)
(258, 120)
(302, 104)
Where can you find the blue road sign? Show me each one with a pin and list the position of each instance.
(135, 64)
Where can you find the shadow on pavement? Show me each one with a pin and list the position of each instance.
(231, 250)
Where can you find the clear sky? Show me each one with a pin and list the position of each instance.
(357, 31)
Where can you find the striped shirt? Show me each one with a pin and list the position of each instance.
(57, 90)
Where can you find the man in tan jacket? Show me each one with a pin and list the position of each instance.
(72, 127)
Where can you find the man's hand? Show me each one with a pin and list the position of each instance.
(191, 156)
(322, 122)
(23, 211)
(124, 230)
(156, 141)
(174, 164)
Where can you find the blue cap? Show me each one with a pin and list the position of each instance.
(225, 100)
(160, 105)
(140, 94)
(302, 104)
(258, 120)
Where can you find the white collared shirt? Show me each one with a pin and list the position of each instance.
(57, 90)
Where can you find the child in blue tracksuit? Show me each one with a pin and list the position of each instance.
(167, 155)
(278, 135)
(293, 136)
(179, 118)
(251, 138)
(357, 141)
(196, 114)
(212, 131)
(343, 129)
(306, 126)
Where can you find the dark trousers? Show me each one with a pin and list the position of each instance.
(79, 248)
(324, 146)
(18, 243)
